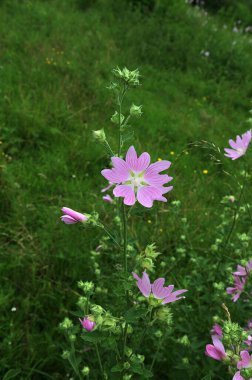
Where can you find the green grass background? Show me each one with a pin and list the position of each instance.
(56, 59)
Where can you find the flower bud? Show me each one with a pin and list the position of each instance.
(87, 323)
(85, 371)
(97, 309)
(126, 365)
(127, 377)
(151, 251)
(158, 334)
(116, 119)
(82, 302)
(147, 263)
(72, 338)
(128, 351)
(135, 110)
(99, 135)
(65, 355)
(87, 287)
(66, 324)
(131, 78)
(164, 315)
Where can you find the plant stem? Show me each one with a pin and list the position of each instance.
(110, 235)
(120, 101)
(73, 361)
(124, 238)
(99, 360)
(236, 211)
(124, 339)
(157, 351)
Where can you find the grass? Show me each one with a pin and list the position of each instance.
(56, 60)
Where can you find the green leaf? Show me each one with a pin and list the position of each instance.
(207, 377)
(140, 370)
(92, 337)
(117, 368)
(11, 374)
(134, 314)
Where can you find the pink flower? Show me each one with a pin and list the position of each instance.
(238, 376)
(87, 324)
(217, 330)
(217, 350)
(250, 324)
(239, 146)
(243, 271)
(246, 360)
(107, 198)
(238, 288)
(70, 216)
(158, 290)
(135, 179)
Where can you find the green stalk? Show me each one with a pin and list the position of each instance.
(99, 360)
(120, 101)
(73, 361)
(157, 351)
(125, 237)
(110, 235)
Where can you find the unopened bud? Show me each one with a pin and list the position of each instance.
(99, 135)
(85, 371)
(116, 119)
(135, 110)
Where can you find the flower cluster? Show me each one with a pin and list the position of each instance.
(237, 340)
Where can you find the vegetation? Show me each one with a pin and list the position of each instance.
(56, 61)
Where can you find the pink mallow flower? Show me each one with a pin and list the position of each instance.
(216, 350)
(157, 289)
(243, 271)
(107, 198)
(135, 179)
(70, 216)
(238, 288)
(239, 147)
(87, 324)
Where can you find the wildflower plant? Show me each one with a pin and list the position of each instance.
(116, 318)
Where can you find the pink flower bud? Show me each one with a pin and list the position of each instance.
(87, 324)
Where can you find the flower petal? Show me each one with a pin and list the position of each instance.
(126, 192)
(147, 194)
(158, 166)
(74, 214)
(143, 161)
(143, 284)
(158, 289)
(115, 176)
(68, 219)
(131, 159)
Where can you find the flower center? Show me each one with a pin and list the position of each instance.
(136, 179)
(241, 150)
